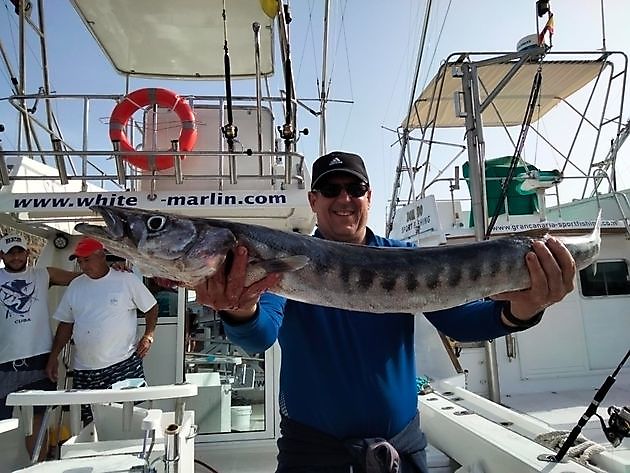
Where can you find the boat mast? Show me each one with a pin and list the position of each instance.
(323, 97)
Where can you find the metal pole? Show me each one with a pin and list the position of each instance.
(22, 79)
(256, 28)
(475, 146)
(44, 56)
(41, 435)
(4, 170)
(171, 448)
(177, 162)
(60, 161)
(84, 160)
(323, 93)
(477, 172)
(603, 26)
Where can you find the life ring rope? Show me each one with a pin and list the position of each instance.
(139, 99)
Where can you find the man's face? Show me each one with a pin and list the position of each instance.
(94, 266)
(15, 259)
(342, 217)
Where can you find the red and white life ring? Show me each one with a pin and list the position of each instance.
(141, 98)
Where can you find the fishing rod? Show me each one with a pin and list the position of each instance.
(229, 130)
(590, 410)
(527, 120)
(287, 131)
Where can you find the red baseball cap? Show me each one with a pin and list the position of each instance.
(86, 247)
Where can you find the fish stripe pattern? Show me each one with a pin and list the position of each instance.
(322, 272)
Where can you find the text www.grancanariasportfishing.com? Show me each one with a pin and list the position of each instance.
(207, 199)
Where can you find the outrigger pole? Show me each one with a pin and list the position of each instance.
(404, 139)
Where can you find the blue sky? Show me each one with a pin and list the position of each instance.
(373, 47)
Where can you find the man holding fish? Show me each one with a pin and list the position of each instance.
(347, 385)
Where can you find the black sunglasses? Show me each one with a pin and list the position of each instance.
(353, 189)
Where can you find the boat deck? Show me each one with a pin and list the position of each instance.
(562, 409)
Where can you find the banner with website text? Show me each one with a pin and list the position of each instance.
(202, 202)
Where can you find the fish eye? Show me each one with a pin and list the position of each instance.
(156, 223)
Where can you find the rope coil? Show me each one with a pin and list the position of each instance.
(581, 451)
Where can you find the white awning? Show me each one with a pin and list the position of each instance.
(560, 79)
(171, 39)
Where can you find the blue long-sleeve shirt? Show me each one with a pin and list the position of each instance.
(352, 374)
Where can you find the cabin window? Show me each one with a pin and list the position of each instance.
(232, 383)
(235, 388)
(611, 278)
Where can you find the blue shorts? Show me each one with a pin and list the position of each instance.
(23, 374)
(104, 378)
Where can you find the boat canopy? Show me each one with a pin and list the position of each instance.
(560, 79)
(166, 38)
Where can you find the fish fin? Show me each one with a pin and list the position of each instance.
(282, 265)
(595, 235)
(598, 223)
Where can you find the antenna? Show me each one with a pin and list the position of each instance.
(603, 26)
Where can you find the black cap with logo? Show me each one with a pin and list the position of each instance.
(338, 161)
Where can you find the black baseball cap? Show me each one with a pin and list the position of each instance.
(338, 161)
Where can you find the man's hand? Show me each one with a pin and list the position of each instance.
(121, 266)
(143, 345)
(551, 270)
(229, 293)
(52, 368)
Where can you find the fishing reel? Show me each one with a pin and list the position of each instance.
(230, 131)
(618, 426)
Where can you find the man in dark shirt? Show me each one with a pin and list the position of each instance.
(348, 396)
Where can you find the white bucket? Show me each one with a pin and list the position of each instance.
(241, 416)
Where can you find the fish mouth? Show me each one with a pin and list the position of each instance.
(115, 224)
(114, 229)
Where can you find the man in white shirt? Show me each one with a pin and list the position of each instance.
(25, 331)
(99, 312)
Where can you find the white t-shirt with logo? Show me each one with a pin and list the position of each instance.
(24, 320)
(103, 312)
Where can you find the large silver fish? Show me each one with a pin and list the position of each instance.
(323, 272)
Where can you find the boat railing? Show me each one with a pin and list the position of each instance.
(96, 159)
(126, 393)
(599, 176)
(454, 211)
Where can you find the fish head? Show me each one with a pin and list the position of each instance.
(161, 244)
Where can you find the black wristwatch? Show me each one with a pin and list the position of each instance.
(520, 324)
